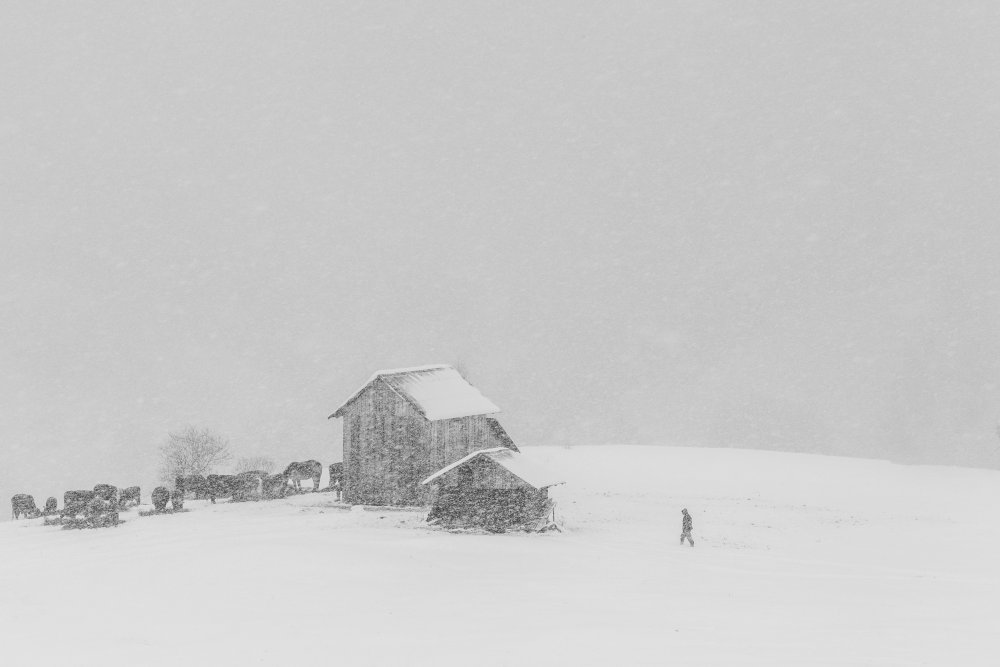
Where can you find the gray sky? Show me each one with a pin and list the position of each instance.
(747, 224)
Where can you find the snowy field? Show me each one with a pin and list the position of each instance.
(799, 560)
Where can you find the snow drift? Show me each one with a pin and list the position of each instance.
(799, 560)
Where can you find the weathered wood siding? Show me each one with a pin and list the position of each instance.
(496, 436)
(483, 473)
(389, 447)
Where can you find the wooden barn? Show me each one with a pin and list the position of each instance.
(403, 425)
(496, 489)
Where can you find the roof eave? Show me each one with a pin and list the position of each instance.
(404, 398)
(451, 466)
(377, 378)
(460, 415)
(486, 452)
(378, 375)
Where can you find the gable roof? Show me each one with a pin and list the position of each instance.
(437, 392)
(514, 462)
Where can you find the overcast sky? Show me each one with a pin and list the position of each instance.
(769, 225)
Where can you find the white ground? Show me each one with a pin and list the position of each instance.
(799, 560)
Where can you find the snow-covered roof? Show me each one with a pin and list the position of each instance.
(437, 391)
(516, 463)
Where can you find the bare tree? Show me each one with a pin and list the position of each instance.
(192, 451)
(248, 463)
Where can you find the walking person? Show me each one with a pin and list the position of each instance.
(686, 527)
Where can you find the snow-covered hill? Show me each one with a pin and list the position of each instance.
(799, 560)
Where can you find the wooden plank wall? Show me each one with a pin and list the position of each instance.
(495, 438)
(389, 447)
(486, 474)
(489, 475)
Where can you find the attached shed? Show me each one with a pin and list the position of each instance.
(404, 424)
(494, 488)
